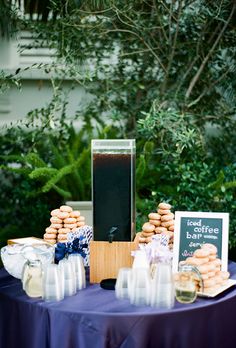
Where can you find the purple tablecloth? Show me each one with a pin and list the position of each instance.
(94, 318)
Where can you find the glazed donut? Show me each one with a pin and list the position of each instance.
(64, 230)
(55, 212)
(69, 220)
(197, 261)
(55, 220)
(167, 223)
(155, 222)
(164, 206)
(80, 223)
(154, 216)
(66, 208)
(211, 247)
(63, 215)
(201, 253)
(147, 234)
(147, 227)
(56, 226)
(50, 230)
(160, 229)
(163, 211)
(50, 236)
(167, 217)
(80, 218)
(70, 226)
(75, 214)
(62, 236)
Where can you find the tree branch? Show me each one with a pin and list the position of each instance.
(205, 60)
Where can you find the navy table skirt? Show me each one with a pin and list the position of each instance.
(94, 318)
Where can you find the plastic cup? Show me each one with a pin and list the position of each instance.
(68, 277)
(52, 285)
(140, 286)
(123, 283)
(78, 265)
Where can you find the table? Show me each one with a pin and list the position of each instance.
(94, 318)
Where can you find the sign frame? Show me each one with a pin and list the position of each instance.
(209, 215)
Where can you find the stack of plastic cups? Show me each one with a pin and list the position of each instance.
(78, 266)
(52, 283)
(68, 277)
(162, 287)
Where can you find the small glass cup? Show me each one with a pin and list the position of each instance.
(140, 286)
(186, 281)
(52, 284)
(123, 282)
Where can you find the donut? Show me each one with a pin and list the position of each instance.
(56, 226)
(51, 230)
(171, 228)
(167, 217)
(154, 216)
(66, 208)
(160, 229)
(147, 227)
(167, 223)
(155, 222)
(50, 236)
(201, 253)
(218, 280)
(55, 212)
(204, 276)
(208, 283)
(163, 211)
(62, 236)
(75, 213)
(55, 220)
(164, 206)
(211, 274)
(64, 230)
(216, 262)
(80, 218)
(212, 257)
(224, 275)
(80, 223)
(70, 226)
(147, 234)
(197, 261)
(211, 247)
(203, 269)
(63, 215)
(69, 220)
(51, 241)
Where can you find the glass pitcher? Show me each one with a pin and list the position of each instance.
(32, 278)
(187, 281)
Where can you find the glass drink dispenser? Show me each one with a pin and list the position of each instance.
(113, 189)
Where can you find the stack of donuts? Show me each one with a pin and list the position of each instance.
(209, 265)
(160, 222)
(63, 221)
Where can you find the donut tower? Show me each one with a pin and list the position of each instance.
(209, 265)
(160, 222)
(63, 221)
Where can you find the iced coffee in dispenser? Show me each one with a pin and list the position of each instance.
(113, 189)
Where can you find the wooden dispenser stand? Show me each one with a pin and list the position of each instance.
(107, 258)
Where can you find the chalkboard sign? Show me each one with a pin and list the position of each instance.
(192, 229)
